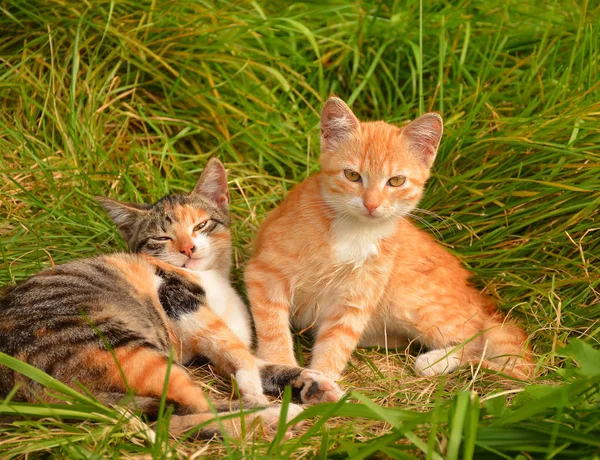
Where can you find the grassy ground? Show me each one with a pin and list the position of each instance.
(130, 98)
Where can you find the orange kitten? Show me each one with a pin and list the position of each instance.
(340, 257)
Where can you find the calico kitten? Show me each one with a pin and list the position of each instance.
(70, 319)
(358, 272)
(192, 231)
(110, 322)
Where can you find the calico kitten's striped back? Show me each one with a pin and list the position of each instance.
(65, 320)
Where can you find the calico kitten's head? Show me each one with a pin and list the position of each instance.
(374, 170)
(189, 231)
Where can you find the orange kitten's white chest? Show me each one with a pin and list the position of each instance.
(355, 250)
(353, 241)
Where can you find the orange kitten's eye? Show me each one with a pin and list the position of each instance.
(200, 226)
(396, 181)
(161, 238)
(352, 176)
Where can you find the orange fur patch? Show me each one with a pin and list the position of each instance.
(145, 372)
(137, 273)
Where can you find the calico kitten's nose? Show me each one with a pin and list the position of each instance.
(188, 249)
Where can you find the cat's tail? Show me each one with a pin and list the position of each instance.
(507, 350)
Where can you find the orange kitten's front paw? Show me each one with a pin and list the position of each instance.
(318, 388)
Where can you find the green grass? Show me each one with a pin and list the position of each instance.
(129, 99)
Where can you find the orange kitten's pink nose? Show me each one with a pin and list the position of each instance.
(372, 199)
(371, 206)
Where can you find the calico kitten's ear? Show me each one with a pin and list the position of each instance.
(338, 124)
(125, 215)
(423, 136)
(213, 183)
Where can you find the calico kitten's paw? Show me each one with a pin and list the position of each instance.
(268, 420)
(436, 362)
(254, 400)
(248, 381)
(317, 388)
(261, 424)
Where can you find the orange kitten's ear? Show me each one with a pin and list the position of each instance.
(213, 183)
(423, 136)
(338, 124)
(125, 215)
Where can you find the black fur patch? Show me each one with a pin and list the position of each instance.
(179, 296)
(275, 378)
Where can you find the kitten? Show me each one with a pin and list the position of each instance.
(74, 321)
(358, 272)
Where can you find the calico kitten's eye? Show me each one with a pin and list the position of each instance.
(352, 176)
(396, 181)
(200, 226)
(161, 238)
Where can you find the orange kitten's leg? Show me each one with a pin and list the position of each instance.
(211, 337)
(441, 326)
(458, 335)
(338, 335)
(507, 349)
(270, 303)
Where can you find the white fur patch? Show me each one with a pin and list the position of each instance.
(436, 362)
(248, 381)
(202, 255)
(355, 240)
(157, 282)
(226, 303)
(189, 325)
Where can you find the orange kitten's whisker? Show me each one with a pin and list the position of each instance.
(427, 224)
(429, 213)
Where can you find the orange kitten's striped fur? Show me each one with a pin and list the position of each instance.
(339, 256)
